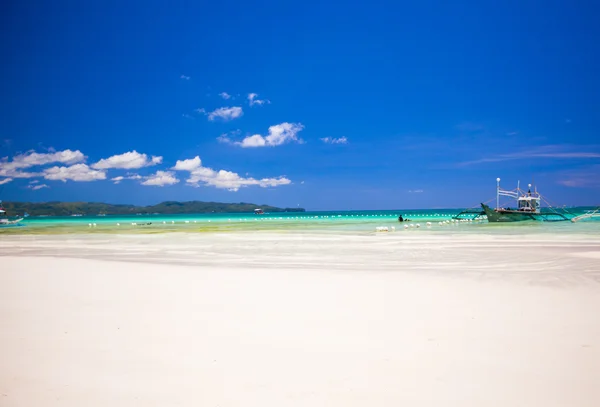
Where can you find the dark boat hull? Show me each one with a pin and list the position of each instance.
(508, 216)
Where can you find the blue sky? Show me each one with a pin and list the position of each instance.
(358, 105)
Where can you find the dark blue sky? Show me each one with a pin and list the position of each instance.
(368, 105)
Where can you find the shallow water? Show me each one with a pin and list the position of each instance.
(332, 221)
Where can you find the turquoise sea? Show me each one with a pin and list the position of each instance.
(334, 221)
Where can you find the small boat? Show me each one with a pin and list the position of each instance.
(259, 211)
(528, 207)
(4, 221)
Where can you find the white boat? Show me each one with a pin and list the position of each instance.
(4, 221)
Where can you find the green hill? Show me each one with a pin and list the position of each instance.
(168, 207)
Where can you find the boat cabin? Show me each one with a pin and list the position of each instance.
(529, 203)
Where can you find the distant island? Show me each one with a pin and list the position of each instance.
(164, 208)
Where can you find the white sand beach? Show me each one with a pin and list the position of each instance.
(291, 319)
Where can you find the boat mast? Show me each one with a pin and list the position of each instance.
(497, 193)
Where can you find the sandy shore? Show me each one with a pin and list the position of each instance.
(299, 320)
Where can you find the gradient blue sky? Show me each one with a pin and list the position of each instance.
(433, 100)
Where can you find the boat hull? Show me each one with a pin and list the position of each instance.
(507, 216)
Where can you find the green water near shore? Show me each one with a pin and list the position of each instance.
(340, 221)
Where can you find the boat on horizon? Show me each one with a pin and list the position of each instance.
(259, 211)
(528, 207)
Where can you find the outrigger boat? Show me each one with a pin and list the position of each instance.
(528, 207)
(4, 221)
(259, 211)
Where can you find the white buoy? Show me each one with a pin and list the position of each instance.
(118, 224)
(187, 221)
(94, 225)
(172, 221)
(418, 225)
(405, 226)
(428, 224)
(89, 224)
(412, 226)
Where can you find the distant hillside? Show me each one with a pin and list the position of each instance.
(169, 207)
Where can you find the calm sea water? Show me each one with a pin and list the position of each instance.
(335, 221)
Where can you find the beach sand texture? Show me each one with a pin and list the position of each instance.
(290, 319)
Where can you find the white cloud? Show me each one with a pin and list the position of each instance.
(5, 181)
(185, 77)
(11, 173)
(253, 141)
(129, 160)
(201, 110)
(36, 187)
(252, 100)
(188, 165)
(161, 178)
(226, 113)
(31, 159)
(77, 172)
(222, 179)
(120, 178)
(278, 134)
(35, 181)
(415, 191)
(332, 140)
(225, 95)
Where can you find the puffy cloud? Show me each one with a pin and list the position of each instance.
(12, 169)
(332, 140)
(5, 181)
(161, 178)
(120, 178)
(278, 134)
(222, 179)
(225, 95)
(188, 165)
(129, 160)
(253, 141)
(185, 77)
(252, 100)
(77, 172)
(32, 159)
(225, 113)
